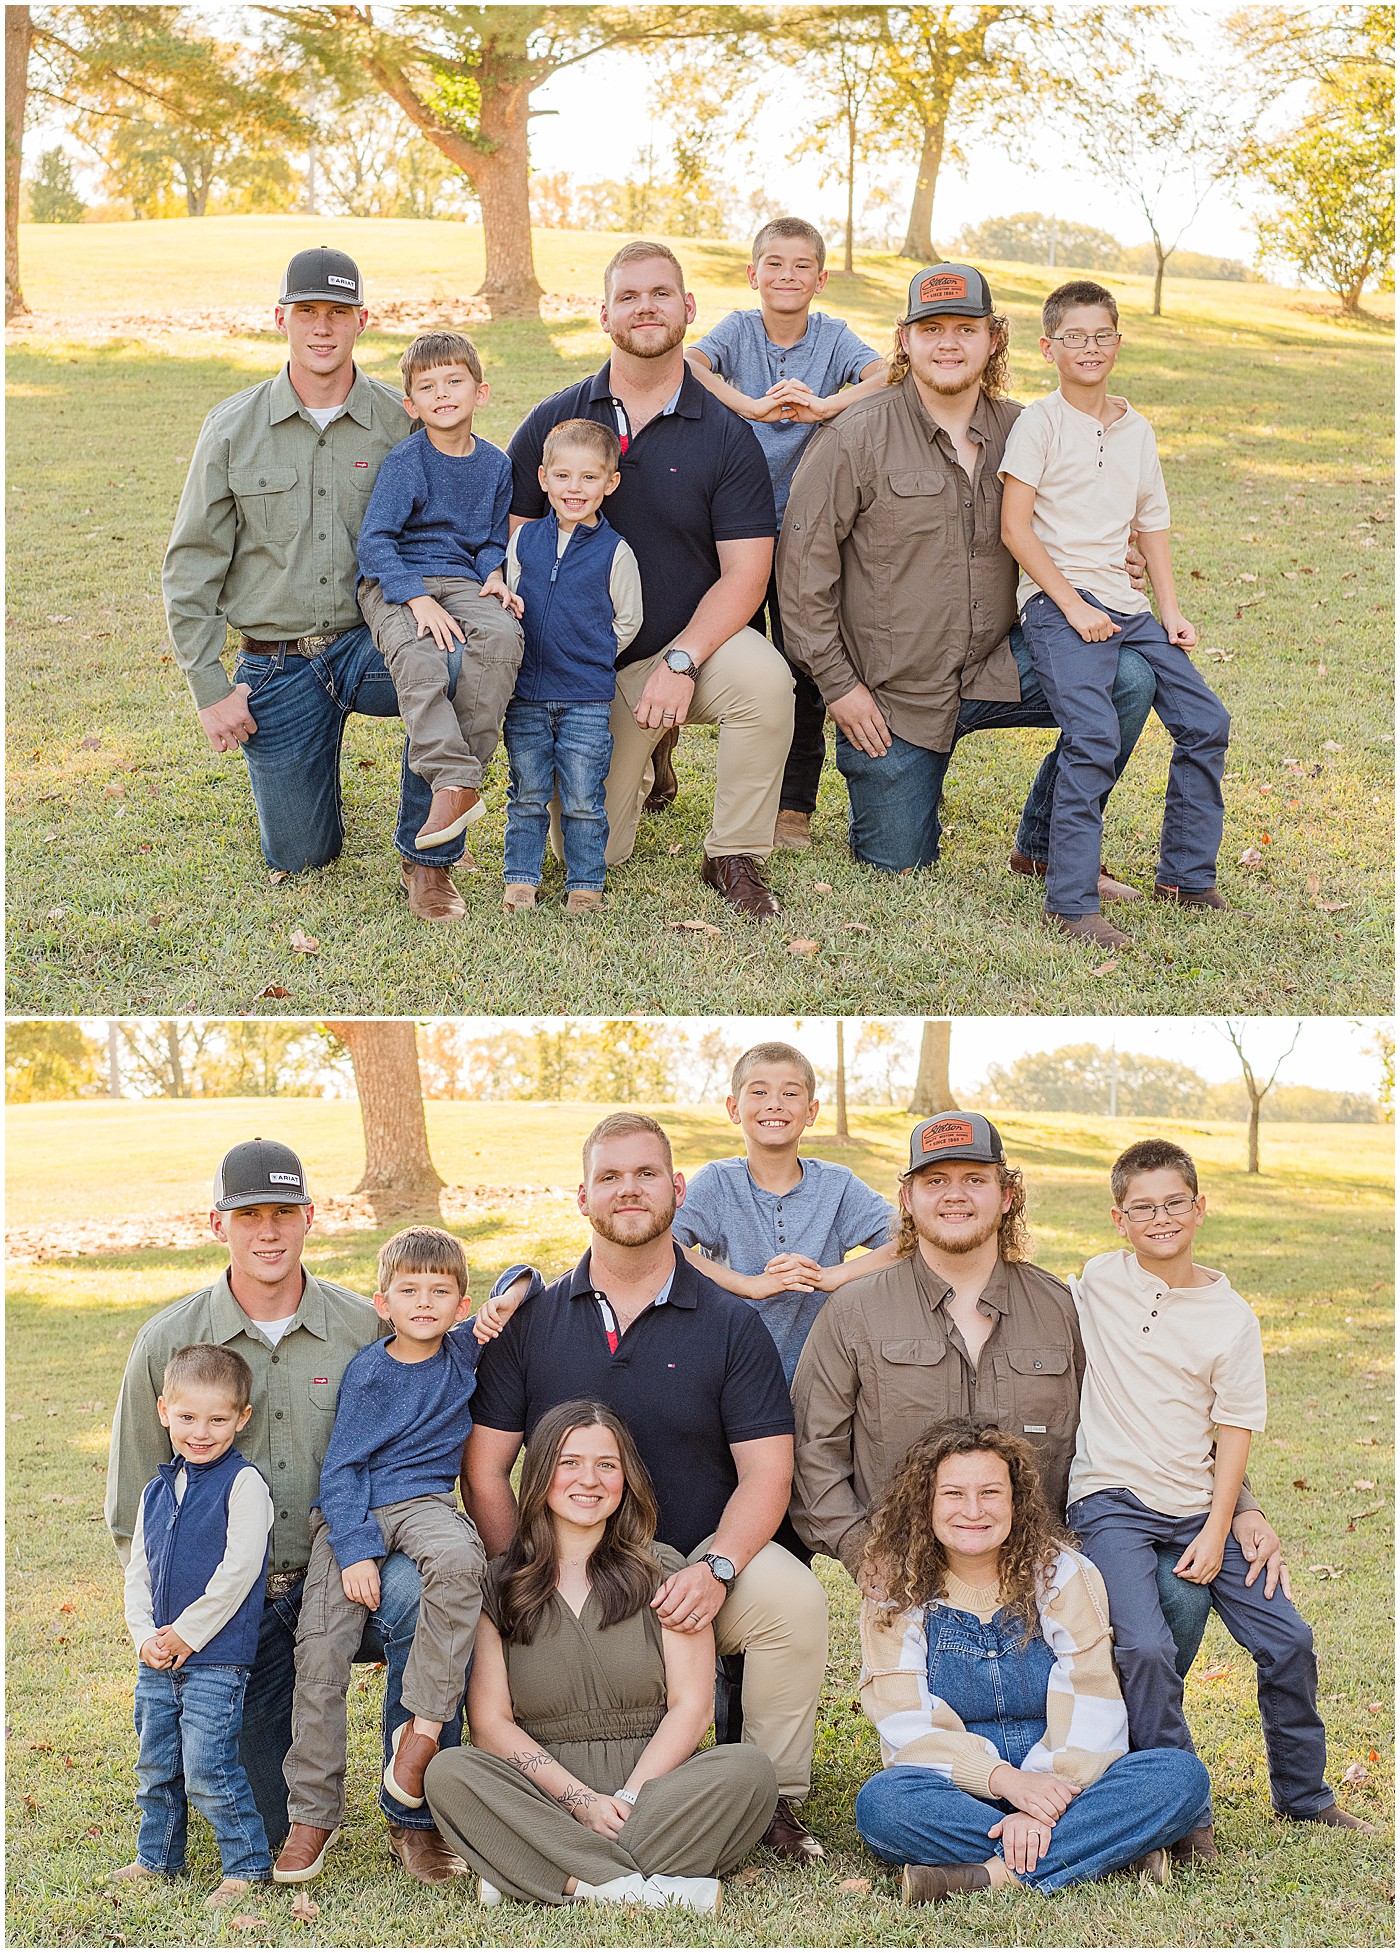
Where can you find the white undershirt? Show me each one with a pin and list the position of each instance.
(275, 1331)
(323, 416)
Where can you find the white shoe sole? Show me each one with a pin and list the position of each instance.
(395, 1789)
(435, 837)
(313, 1870)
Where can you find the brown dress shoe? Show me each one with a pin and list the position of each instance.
(1110, 888)
(793, 830)
(790, 1838)
(1343, 1820)
(424, 1855)
(409, 1756)
(452, 812)
(739, 879)
(1188, 898)
(303, 1855)
(930, 1885)
(1198, 1847)
(664, 784)
(1087, 928)
(432, 895)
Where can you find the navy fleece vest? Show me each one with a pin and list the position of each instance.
(570, 637)
(185, 1541)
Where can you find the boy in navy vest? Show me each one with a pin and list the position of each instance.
(388, 1484)
(582, 592)
(194, 1603)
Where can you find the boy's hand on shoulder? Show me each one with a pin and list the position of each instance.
(497, 1310)
(152, 1655)
(1201, 1561)
(176, 1650)
(361, 1582)
(1180, 630)
(496, 586)
(1095, 626)
(440, 624)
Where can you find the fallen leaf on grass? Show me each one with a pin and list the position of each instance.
(244, 1922)
(676, 847)
(276, 990)
(1369, 1513)
(303, 944)
(279, 875)
(1333, 908)
(1301, 1485)
(366, 762)
(304, 1907)
(823, 888)
(31, 1802)
(1356, 1773)
(90, 745)
(699, 923)
(1375, 1708)
(1248, 577)
(1214, 1674)
(57, 915)
(115, 789)
(1105, 969)
(861, 928)
(1363, 1485)
(1325, 1572)
(1251, 858)
(94, 1831)
(803, 946)
(1221, 657)
(861, 1885)
(1331, 746)
(1312, 888)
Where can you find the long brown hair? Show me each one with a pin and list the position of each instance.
(1013, 1241)
(621, 1568)
(996, 376)
(907, 1564)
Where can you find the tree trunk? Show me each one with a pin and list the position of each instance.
(918, 238)
(1351, 298)
(1157, 283)
(932, 1092)
(843, 1132)
(114, 1059)
(177, 1069)
(850, 264)
(1255, 1101)
(399, 1174)
(502, 181)
(18, 34)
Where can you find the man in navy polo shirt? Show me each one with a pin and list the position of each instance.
(696, 1377)
(696, 504)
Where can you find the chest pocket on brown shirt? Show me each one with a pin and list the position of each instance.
(268, 506)
(916, 1378)
(922, 504)
(1041, 1391)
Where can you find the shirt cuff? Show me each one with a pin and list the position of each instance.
(356, 1542)
(209, 685)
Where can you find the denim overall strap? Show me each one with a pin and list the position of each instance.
(995, 1685)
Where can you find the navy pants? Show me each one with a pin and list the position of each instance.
(300, 706)
(997, 1685)
(1078, 682)
(807, 753)
(267, 1708)
(1122, 1537)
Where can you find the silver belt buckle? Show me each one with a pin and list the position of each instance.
(310, 646)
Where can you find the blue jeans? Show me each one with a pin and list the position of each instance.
(187, 1724)
(300, 706)
(894, 799)
(267, 1715)
(563, 744)
(909, 1815)
(1077, 680)
(1123, 1537)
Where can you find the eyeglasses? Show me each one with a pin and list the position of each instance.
(1075, 342)
(1148, 1210)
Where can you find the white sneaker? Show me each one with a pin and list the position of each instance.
(488, 1894)
(694, 1894)
(633, 1890)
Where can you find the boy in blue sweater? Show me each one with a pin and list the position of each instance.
(582, 595)
(388, 1484)
(431, 549)
(194, 1603)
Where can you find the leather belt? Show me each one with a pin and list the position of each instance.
(295, 647)
(280, 1584)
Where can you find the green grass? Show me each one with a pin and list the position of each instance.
(1309, 1242)
(1274, 423)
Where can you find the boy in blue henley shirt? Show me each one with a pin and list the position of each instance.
(388, 1485)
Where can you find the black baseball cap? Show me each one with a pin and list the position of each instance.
(944, 291)
(322, 273)
(259, 1173)
(954, 1136)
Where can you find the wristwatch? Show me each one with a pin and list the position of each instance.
(722, 1569)
(682, 663)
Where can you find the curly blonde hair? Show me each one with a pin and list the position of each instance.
(907, 1565)
(996, 379)
(1013, 1238)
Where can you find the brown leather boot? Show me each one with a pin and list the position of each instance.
(1186, 898)
(424, 1855)
(930, 1885)
(1111, 889)
(432, 896)
(664, 784)
(1198, 1847)
(793, 830)
(1089, 928)
(303, 1855)
(452, 812)
(790, 1838)
(1343, 1820)
(1154, 1867)
(739, 879)
(409, 1756)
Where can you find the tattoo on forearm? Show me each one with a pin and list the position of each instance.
(529, 1761)
(576, 1799)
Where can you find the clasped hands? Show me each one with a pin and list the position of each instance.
(1041, 1799)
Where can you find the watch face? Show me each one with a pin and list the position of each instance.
(721, 1568)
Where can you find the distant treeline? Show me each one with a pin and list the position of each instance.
(1032, 237)
(1086, 1078)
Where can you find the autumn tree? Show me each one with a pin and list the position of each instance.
(932, 1091)
(1257, 1092)
(843, 60)
(18, 35)
(49, 1058)
(399, 1177)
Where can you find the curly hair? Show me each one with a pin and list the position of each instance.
(996, 378)
(908, 1565)
(622, 1570)
(1013, 1238)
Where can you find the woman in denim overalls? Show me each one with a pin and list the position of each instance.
(988, 1671)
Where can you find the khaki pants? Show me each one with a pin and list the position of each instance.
(775, 1617)
(696, 1821)
(450, 740)
(745, 688)
(443, 1544)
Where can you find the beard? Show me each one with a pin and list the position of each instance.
(961, 1241)
(635, 1228)
(651, 347)
(950, 389)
